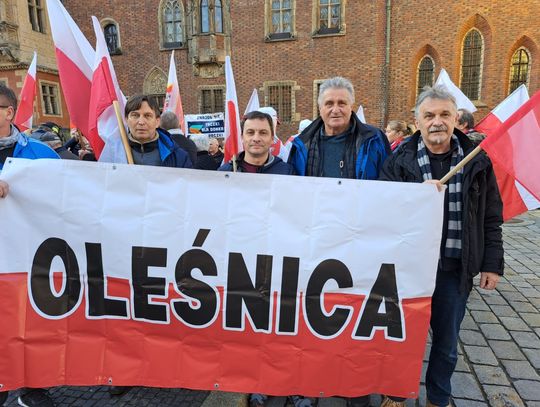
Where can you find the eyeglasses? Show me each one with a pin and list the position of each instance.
(4, 107)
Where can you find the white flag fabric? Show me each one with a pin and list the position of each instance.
(253, 103)
(360, 114)
(462, 101)
(233, 134)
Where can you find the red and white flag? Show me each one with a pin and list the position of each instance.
(173, 101)
(515, 145)
(25, 110)
(253, 103)
(462, 101)
(75, 58)
(516, 199)
(233, 135)
(104, 134)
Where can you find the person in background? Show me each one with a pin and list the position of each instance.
(215, 151)
(204, 160)
(170, 122)
(397, 131)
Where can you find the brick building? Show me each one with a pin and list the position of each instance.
(24, 29)
(285, 48)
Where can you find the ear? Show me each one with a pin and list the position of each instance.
(158, 119)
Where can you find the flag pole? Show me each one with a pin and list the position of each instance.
(461, 164)
(123, 134)
(234, 163)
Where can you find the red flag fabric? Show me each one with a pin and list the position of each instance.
(75, 58)
(104, 135)
(515, 145)
(233, 140)
(25, 110)
(516, 199)
(173, 100)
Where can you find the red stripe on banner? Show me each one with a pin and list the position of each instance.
(76, 90)
(38, 352)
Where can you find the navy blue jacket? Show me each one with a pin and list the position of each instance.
(274, 165)
(171, 154)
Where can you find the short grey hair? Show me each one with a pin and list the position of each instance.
(436, 92)
(169, 120)
(202, 142)
(336, 82)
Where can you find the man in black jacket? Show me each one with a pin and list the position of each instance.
(471, 236)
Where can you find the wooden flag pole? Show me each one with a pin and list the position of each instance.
(461, 164)
(234, 163)
(123, 134)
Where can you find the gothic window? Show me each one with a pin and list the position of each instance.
(155, 85)
(211, 16)
(280, 19)
(50, 99)
(111, 38)
(35, 12)
(426, 71)
(171, 20)
(329, 16)
(519, 69)
(471, 64)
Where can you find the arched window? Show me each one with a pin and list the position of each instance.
(205, 17)
(519, 69)
(211, 15)
(471, 64)
(218, 16)
(111, 38)
(173, 36)
(426, 71)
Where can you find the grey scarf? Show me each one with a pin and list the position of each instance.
(9, 141)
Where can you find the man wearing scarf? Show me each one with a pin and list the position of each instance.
(471, 236)
(15, 144)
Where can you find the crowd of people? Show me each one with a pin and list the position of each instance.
(336, 144)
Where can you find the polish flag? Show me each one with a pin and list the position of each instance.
(516, 199)
(233, 135)
(173, 101)
(515, 145)
(75, 58)
(25, 110)
(104, 134)
(462, 101)
(253, 103)
(360, 114)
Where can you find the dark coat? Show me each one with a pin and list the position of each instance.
(274, 165)
(481, 242)
(185, 144)
(206, 162)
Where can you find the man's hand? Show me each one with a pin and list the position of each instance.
(488, 281)
(440, 186)
(4, 189)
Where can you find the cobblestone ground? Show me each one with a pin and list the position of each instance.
(499, 349)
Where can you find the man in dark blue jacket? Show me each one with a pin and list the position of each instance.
(149, 144)
(257, 138)
(337, 144)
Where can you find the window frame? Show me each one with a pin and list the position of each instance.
(269, 13)
(110, 22)
(464, 68)
(56, 94)
(212, 89)
(208, 8)
(319, 31)
(280, 111)
(164, 44)
(528, 67)
(36, 15)
(418, 71)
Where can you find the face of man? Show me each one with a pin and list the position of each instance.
(213, 146)
(143, 123)
(436, 121)
(257, 139)
(336, 110)
(7, 112)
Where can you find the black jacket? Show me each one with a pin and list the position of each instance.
(274, 165)
(481, 244)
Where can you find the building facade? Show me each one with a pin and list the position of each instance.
(286, 48)
(24, 28)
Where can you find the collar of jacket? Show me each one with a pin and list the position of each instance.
(269, 162)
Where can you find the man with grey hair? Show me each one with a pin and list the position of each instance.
(337, 144)
(471, 241)
(465, 121)
(204, 160)
(170, 122)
